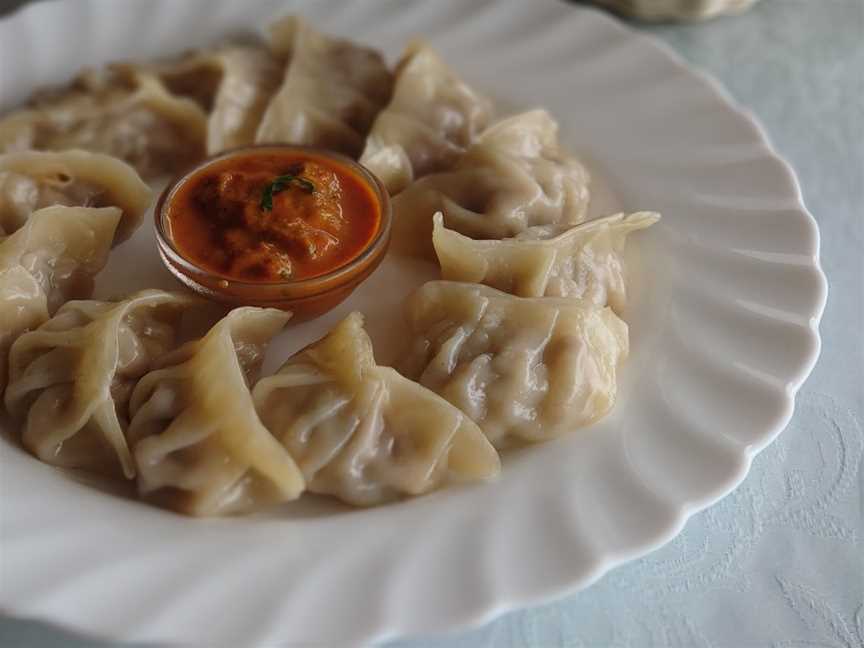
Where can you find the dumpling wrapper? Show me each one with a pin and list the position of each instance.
(232, 83)
(362, 432)
(330, 94)
(522, 369)
(515, 176)
(583, 262)
(430, 121)
(70, 379)
(30, 180)
(53, 258)
(198, 444)
(120, 111)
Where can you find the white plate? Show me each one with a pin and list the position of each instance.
(727, 294)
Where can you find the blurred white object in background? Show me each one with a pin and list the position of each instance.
(676, 9)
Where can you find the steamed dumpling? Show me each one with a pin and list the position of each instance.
(71, 378)
(430, 121)
(584, 261)
(51, 259)
(515, 176)
(331, 91)
(522, 369)
(30, 180)
(198, 444)
(120, 111)
(233, 83)
(362, 432)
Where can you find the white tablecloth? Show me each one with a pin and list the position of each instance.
(779, 563)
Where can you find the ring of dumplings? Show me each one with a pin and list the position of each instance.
(520, 341)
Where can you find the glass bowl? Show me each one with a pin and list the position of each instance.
(307, 297)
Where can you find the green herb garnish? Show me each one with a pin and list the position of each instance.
(280, 183)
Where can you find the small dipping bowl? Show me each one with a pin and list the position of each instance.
(305, 297)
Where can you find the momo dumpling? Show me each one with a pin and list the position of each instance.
(233, 84)
(362, 432)
(523, 369)
(583, 262)
(62, 248)
(431, 119)
(331, 91)
(198, 444)
(51, 259)
(120, 111)
(515, 176)
(23, 307)
(30, 180)
(71, 378)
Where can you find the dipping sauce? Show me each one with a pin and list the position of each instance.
(273, 215)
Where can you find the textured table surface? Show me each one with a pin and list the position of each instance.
(780, 562)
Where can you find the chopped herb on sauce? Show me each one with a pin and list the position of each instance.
(281, 183)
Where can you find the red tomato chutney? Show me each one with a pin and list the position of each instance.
(273, 216)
